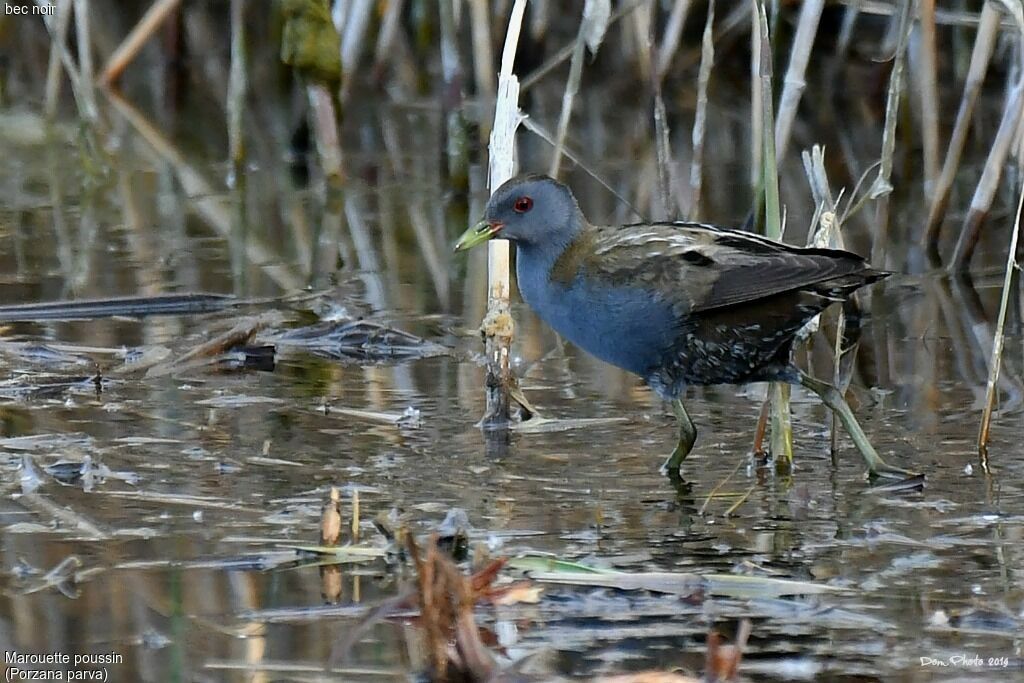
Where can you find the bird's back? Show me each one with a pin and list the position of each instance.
(685, 303)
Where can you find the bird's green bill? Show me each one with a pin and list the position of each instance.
(478, 234)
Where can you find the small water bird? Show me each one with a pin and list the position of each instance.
(679, 304)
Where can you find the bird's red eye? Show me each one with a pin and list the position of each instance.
(522, 205)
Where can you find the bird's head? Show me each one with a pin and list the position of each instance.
(528, 210)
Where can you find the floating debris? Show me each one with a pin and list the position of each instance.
(359, 341)
(129, 306)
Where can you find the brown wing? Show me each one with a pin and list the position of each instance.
(702, 267)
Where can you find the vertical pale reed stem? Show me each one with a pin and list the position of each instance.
(984, 44)
(881, 186)
(85, 69)
(572, 86)
(707, 60)
(782, 431)
(53, 72)
(236, 88)
(793, 87)
(929, 94)
(483, 58)
(997, 342)
(498, 327)
(756, 115)
(985, 191)
(670, 40)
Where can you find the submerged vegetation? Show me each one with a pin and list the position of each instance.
(241, 371)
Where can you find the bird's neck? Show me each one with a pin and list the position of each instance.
(547, 251)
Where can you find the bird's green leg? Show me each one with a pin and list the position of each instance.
(832, 398)
(687, 437)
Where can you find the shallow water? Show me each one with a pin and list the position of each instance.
(214, 469)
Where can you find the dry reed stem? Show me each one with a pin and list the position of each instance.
(566, 51)
(663, 154)
(53, 70)
(794, 84)
(593, 25)
(357, 20)
(236, 88)
(670, 39)
(137, 37)
(981, 56)
(572, 86)
(929, 94)
(390, 24)
(84, 42)
(59, 41)
(828, 234)
(498, 326)
(985, 192)
(846, 31)
(756, 112)
(483, 59)
(782, 431)
(997, 342)
(325, 131)
(881, 187)
(707, 62)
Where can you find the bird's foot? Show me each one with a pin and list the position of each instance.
(674, 462)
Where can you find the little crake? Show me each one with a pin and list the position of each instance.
(676, 303)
